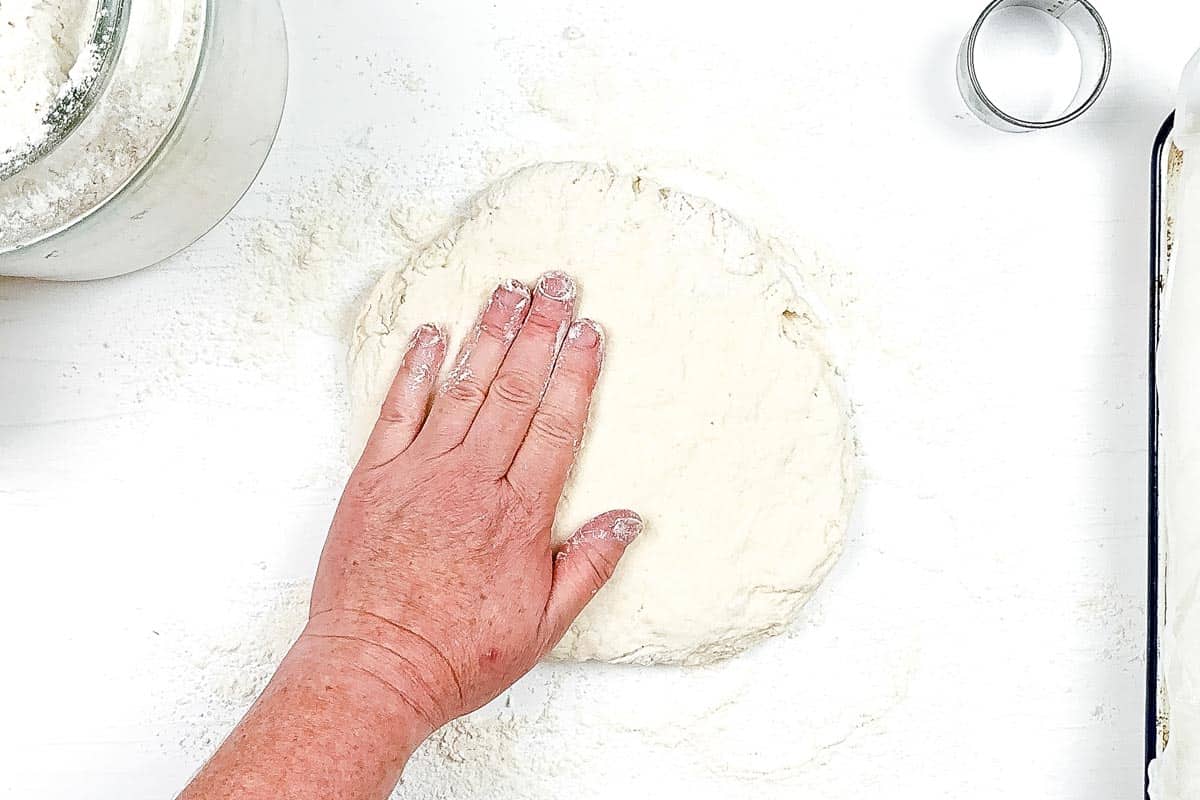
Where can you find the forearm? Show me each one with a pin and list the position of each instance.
(327, 726)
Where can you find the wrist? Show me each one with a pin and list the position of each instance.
(339, 685)
(395, 660)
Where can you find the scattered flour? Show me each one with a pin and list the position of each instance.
(148, 86)
(333, 241)
(304, 269)
(223, 670)
(567, 730)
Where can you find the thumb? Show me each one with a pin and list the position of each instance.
(584, 563)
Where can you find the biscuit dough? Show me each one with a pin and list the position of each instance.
(718, 416)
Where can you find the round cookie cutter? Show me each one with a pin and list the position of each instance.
(1095, 53)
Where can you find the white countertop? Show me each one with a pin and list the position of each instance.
(171, 440)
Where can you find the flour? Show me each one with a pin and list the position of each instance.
(41, 43)
(147, 89)
(718, 417)
(566, 730)
(336, 237)
(223, 670)
(305, 271)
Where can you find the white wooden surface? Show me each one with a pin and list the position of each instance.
(982, 636)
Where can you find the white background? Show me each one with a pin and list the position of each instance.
(171, 440)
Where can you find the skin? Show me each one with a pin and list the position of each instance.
(438, 586)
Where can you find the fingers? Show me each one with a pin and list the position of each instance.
(514, 395)
(545, 457)
(458, 401)
(403, 410)
(584, 564)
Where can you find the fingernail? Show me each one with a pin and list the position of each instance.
(514, 290)
(556, 286)
(511, 297)
(427, 336)
(585, 334)
(626, 529)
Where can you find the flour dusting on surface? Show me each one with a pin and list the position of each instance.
(309, 267)
(222, 671)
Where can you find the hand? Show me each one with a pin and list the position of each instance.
(439, 578)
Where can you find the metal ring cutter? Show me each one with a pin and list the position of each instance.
(1095, 53)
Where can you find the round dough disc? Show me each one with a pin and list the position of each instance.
(717, 417)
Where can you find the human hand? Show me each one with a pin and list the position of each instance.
(439, 578)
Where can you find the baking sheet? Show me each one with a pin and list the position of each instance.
(1166, 167)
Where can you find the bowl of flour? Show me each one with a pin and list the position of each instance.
(55, 58)
(135, 126)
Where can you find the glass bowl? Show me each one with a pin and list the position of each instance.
(206, 159)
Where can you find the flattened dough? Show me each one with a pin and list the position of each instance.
(718, 416)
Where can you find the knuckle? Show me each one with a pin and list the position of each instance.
(499, 330)
(517, 388)
(543, 322)
(600, 564)
(555, 428)
(466, 391)
(397, 416)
